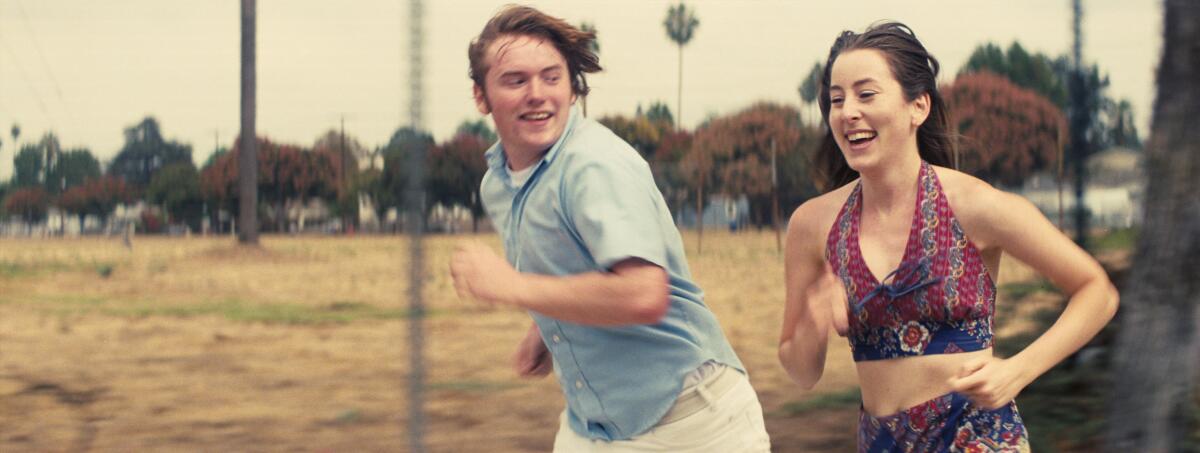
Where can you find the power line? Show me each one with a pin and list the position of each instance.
(37, 46)
(25, 76)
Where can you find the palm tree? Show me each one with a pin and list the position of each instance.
(588, 27)
(1154, 360)
(16, 132)
(248, 155)
(681, 25)
(811, 87)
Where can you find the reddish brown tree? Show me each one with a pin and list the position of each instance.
(644, 134)
(339, 155)
(285, 172)
(456, 168)
(1007, 132)
(98, 197)
(666, 165)
(218, 182)
(738, 149)
(29, 203)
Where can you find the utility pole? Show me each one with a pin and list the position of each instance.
(775, 199)
(1080, 119)
(344, 190)
(416, 208)
(248, 155)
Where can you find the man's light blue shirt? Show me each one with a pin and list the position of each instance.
(590, 203)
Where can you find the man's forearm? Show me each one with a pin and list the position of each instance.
(633, 294)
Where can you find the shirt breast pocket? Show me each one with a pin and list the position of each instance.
(546, 241)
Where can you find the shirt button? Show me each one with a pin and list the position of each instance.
(556, 339)
(578, 384)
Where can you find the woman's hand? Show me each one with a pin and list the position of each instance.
(827, 292)
(990, 382)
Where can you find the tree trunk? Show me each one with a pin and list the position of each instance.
(248, 157)
(1156, 353)
(679, 100)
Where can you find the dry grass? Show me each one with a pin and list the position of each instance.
(196, 344)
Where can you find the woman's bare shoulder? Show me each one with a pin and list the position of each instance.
(965, 192)
(979, 207)
(814, 217)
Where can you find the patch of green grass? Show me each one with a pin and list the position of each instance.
(233, 309)
(347, 417)
(79, 301)
(348, 306)
(157, 267)
(12, 270)
(237, 310)
(1121, 238)
(471, 386)
(835, 400)
(1019, 290)
(1013, 344)
(1064, 408)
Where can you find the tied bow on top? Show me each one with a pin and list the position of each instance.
(899, 288)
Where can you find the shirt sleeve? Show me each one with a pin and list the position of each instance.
(616, 213)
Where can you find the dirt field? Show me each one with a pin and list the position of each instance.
(196, 345)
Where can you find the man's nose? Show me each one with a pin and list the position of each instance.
(537, 91)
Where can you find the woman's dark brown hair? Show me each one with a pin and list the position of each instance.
(916, 70)
(574, 44)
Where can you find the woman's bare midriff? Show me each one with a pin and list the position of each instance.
(893, 385)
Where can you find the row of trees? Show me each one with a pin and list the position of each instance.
(44, 174)
(1008, 107)
(1007, 133)
(161, 172)
(760, 152)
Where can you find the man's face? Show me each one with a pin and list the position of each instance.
(528, 92)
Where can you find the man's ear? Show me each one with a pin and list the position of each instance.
(919, 109)
(481, 102)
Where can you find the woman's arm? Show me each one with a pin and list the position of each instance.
(1017, 227)
(815, 300)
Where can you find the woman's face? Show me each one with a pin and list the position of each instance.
(869, 117)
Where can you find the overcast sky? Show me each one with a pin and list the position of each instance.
(86, 69)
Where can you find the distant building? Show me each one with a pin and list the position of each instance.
(720, 212)
(1114, 195)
